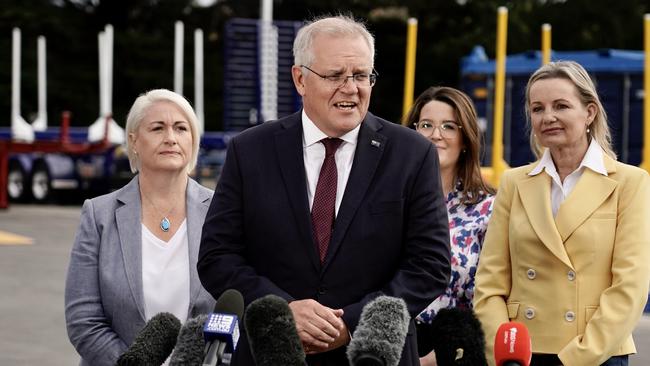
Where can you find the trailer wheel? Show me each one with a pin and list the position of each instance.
(41, 183)
(16, 182)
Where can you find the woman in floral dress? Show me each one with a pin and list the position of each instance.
(447, 117)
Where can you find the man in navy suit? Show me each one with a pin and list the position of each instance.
(273, 228)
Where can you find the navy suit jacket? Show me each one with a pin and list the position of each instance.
(390, 235)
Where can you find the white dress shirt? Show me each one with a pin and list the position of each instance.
(593, 160)
(314, 154)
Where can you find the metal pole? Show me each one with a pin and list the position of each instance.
(409, 69)
(108, 54)
(546, 43)
(645, 161)
(40, 124)
(20, 129)
(268, 63)
(198, 79)
(498, 164)
(178, 57)
(15, 74)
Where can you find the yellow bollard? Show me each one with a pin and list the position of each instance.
(546, 43)
(409, 69)
(498, 164)
(645, 160)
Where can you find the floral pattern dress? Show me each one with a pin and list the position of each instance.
(467, 226)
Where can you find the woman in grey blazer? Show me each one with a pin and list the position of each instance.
(136, 249)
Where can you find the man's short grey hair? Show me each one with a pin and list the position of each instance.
(139, 110)
(340, 25)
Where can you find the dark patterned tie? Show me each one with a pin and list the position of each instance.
(322, 212)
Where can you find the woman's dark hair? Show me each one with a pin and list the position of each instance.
(468, 166)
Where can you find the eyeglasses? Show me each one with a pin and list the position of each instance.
(447, 129)
(336, 81)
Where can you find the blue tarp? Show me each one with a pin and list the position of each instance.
(525, 63)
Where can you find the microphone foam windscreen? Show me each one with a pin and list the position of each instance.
(381, 331)
(190, 344)
(272, 333)
(457, 338)
(230, 302)
(153, 343)
(512, 344)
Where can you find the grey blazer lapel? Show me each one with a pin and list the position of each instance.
(197, 203)
(128, 219)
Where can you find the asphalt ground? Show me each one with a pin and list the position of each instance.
(35, 243)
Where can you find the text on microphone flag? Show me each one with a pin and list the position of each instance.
(222, 324)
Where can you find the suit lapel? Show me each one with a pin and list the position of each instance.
(196, 207)
(288, 145)
(535, 193)
(129, 228)
(370, 148)
(590, 192)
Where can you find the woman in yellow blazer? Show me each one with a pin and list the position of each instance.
(567, 250)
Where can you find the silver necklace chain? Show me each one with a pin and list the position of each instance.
(165, 223)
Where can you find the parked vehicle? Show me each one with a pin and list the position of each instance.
(35, 174)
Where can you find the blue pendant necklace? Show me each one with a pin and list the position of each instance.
(165, 223)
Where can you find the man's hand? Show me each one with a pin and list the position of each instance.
(341, 340)
(320, 328)
(429, 359)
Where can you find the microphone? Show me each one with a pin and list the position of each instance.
(512, 345)
(153, 343)
(221, 329)
(272, 333)
(190, 344)
(457, 338)
(380, 334)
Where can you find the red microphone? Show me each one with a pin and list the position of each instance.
(512, 345)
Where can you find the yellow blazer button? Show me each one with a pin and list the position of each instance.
(529, 313)
(569, 316)
(531, 274)
(571, 275)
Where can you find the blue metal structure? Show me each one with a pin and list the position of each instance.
(242, 90)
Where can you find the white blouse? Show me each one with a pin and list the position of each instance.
(166, 274)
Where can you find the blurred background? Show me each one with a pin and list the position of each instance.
(144, 43)
(32, 268)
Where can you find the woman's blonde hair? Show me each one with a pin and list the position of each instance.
(138, 111)
(578, 76)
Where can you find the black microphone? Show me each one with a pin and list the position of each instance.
(457, 338)
(380, 334)
(221, 329)
(190, 345)
(272, 333)
(153, 343)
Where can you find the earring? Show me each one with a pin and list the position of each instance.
(464, 151)
(588, 130)
(135, 152)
